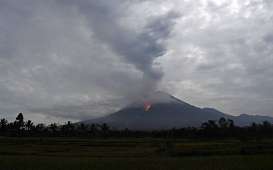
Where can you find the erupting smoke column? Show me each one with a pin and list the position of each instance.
(139, 49)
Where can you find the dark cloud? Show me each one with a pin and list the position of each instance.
(66, 54)
(137, 48)
(64, 59)
(225, 56)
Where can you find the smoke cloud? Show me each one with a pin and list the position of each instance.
(74, 59)
(139, 49)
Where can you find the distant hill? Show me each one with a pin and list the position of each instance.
(166, 111)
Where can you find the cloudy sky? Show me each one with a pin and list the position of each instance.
(72, 60)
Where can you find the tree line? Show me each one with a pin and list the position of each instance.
(222, 128)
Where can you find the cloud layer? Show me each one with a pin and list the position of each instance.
(68, 59)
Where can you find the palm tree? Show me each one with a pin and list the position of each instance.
(70, 126)
(19, 121)
(3, 125)
(29, 125)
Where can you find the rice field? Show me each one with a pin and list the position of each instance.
(134, 153)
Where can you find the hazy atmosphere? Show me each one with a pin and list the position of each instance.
(73, 60)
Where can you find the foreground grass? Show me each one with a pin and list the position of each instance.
(257, 162)
(135, 154)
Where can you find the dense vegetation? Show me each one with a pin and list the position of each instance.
(223, 128)
(214, 145)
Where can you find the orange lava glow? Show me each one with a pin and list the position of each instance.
(147, 106)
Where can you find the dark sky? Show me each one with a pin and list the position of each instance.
(71, 60)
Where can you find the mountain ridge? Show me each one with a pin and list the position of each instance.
(168, 112)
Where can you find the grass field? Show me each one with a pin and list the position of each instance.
(136, 154)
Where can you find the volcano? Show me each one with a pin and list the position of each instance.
(163, 111)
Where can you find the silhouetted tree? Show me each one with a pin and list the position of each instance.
(93, 129)
(105, 129)
(230, 123)
(266, 128)
(29, 125)
(213, 129)
(266, 125)
(82, 128)
(223, 123)
(53, 127)
(68, 128)
(210, 124)
(3, 125)
(19, 122)
(39, 128)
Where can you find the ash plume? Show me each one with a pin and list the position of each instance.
(137, 48)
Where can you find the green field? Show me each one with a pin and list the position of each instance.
(136, 154)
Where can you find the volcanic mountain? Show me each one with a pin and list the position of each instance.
(163, 111)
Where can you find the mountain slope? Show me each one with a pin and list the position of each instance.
(167, 112)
